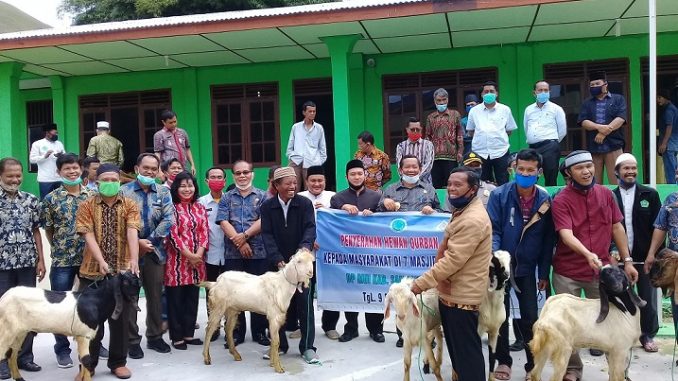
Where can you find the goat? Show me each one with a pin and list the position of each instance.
(77, 314)
(418, 328)
(492, 313)
(268, 294)
(664, 272)
(568, 323)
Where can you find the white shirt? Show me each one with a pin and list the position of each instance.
(490, 139)
(323, 198)
(285, 207)
(47, 170)
(547, 122)
(628, 195)
(306, 147)
(215, 251)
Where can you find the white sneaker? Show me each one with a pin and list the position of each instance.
(267, 354)
(332, 334)
(295, 335)
(311, 357)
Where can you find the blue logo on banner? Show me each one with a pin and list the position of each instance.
(398, 225)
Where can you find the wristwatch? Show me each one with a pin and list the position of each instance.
(247, 236)
(628, 260)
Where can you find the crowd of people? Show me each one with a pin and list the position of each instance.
(160, 226)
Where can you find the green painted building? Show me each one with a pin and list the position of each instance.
(237, 79)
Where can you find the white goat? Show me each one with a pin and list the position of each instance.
(492, 313)
(30, 309)
(268, 294)
(419, 320)
(568, 323)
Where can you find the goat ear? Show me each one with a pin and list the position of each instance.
(117, 294)
(604, 305)
(387, 308)
(415, 306)
(635, 298)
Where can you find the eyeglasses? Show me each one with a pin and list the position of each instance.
(239, 173)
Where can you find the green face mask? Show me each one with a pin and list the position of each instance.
(109, 188)
(71, 183)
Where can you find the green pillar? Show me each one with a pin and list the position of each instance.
(70, 137)
(10, 118)
(340, 48)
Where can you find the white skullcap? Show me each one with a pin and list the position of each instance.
(103, 124)
(625, 157)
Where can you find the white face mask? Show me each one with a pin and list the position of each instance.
(11, 188)
(246, 187)
(410, 179)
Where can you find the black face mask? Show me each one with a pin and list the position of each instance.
(356, 188)
(576, 185)
(54, 138)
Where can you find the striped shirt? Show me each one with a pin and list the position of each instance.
(422, 149)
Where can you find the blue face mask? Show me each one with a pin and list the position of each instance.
(441, 108)
(526, 181)
(595, 91)
(489, 98)
(543, 97)
(468, 108)
(145, 180)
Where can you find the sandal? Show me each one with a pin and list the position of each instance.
(650, 346)
(503, 372)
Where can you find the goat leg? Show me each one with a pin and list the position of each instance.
(431, 358)
(231, 320)
(13, 357)
(274, 327)
(407, 359)
(86, 369)
(212, 325)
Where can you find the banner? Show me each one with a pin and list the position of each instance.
(361, 256)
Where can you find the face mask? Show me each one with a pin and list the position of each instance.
(525, 181)
(410, 179)
(216, 185)
(158, 181)
(595, 91)
(576, 185)
(441, 108)
(356, 187)
(145, 180)
(245, 187)
(171, 177)
(109, 188)
(478, 171)
(71, 183)
(489, 98)
(461, 201)
(414, 136)
(623, 183)
(54, 138)
(9, 188)
(468, 108)
(543, 97)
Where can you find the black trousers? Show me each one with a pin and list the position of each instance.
(372, 321)
(259, 322)
(441, 172)
(550, 155)
(496, 170)
(649, 323)
(20, 277)
(306, 314)
(463, 343)
(182, 310)
(527, 302)
(118, 338)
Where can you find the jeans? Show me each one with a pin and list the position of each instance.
(670, 164)
(62, 279)
(45, 188)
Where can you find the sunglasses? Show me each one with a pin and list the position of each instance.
(238, 173)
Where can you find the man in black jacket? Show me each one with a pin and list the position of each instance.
(287, 225)
(639, 205)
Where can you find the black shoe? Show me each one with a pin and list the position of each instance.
(30, 367)
(4, 370)
(517, 346)
(378, 337)
(347, 336)
(595, 352)
(194, 341)
(181, 345)
(135, 352)
(215, 335)
(262, 339)
(237, 341)
(399, 343)
(158, 345)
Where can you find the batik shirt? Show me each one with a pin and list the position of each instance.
(19, 215)
(444, 130)
(667, 220)
(242, 213)
(57, 212)
(377, 167)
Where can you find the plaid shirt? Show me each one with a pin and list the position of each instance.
(19, 215)
(57, 213)
(109, 225)
(378, 167)
(444, 130)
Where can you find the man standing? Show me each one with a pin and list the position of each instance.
(306, 146)
(602, 116)
(172, 142)
(587, 219)
(522, 225)
(357, 198)
(470, 101)
(491, 124)
(443, 129)
(57, 214)
(461, 275)
(105, 147)
(239, 216)
(411, 193)
(545, 127)
(288, 224)
(110, 224)
(157, 217)
(668, 146)
(21, 258)
(377, 163)
(640, 206)
(44, 153)
(415, 146)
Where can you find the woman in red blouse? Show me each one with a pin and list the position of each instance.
(185, 268)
